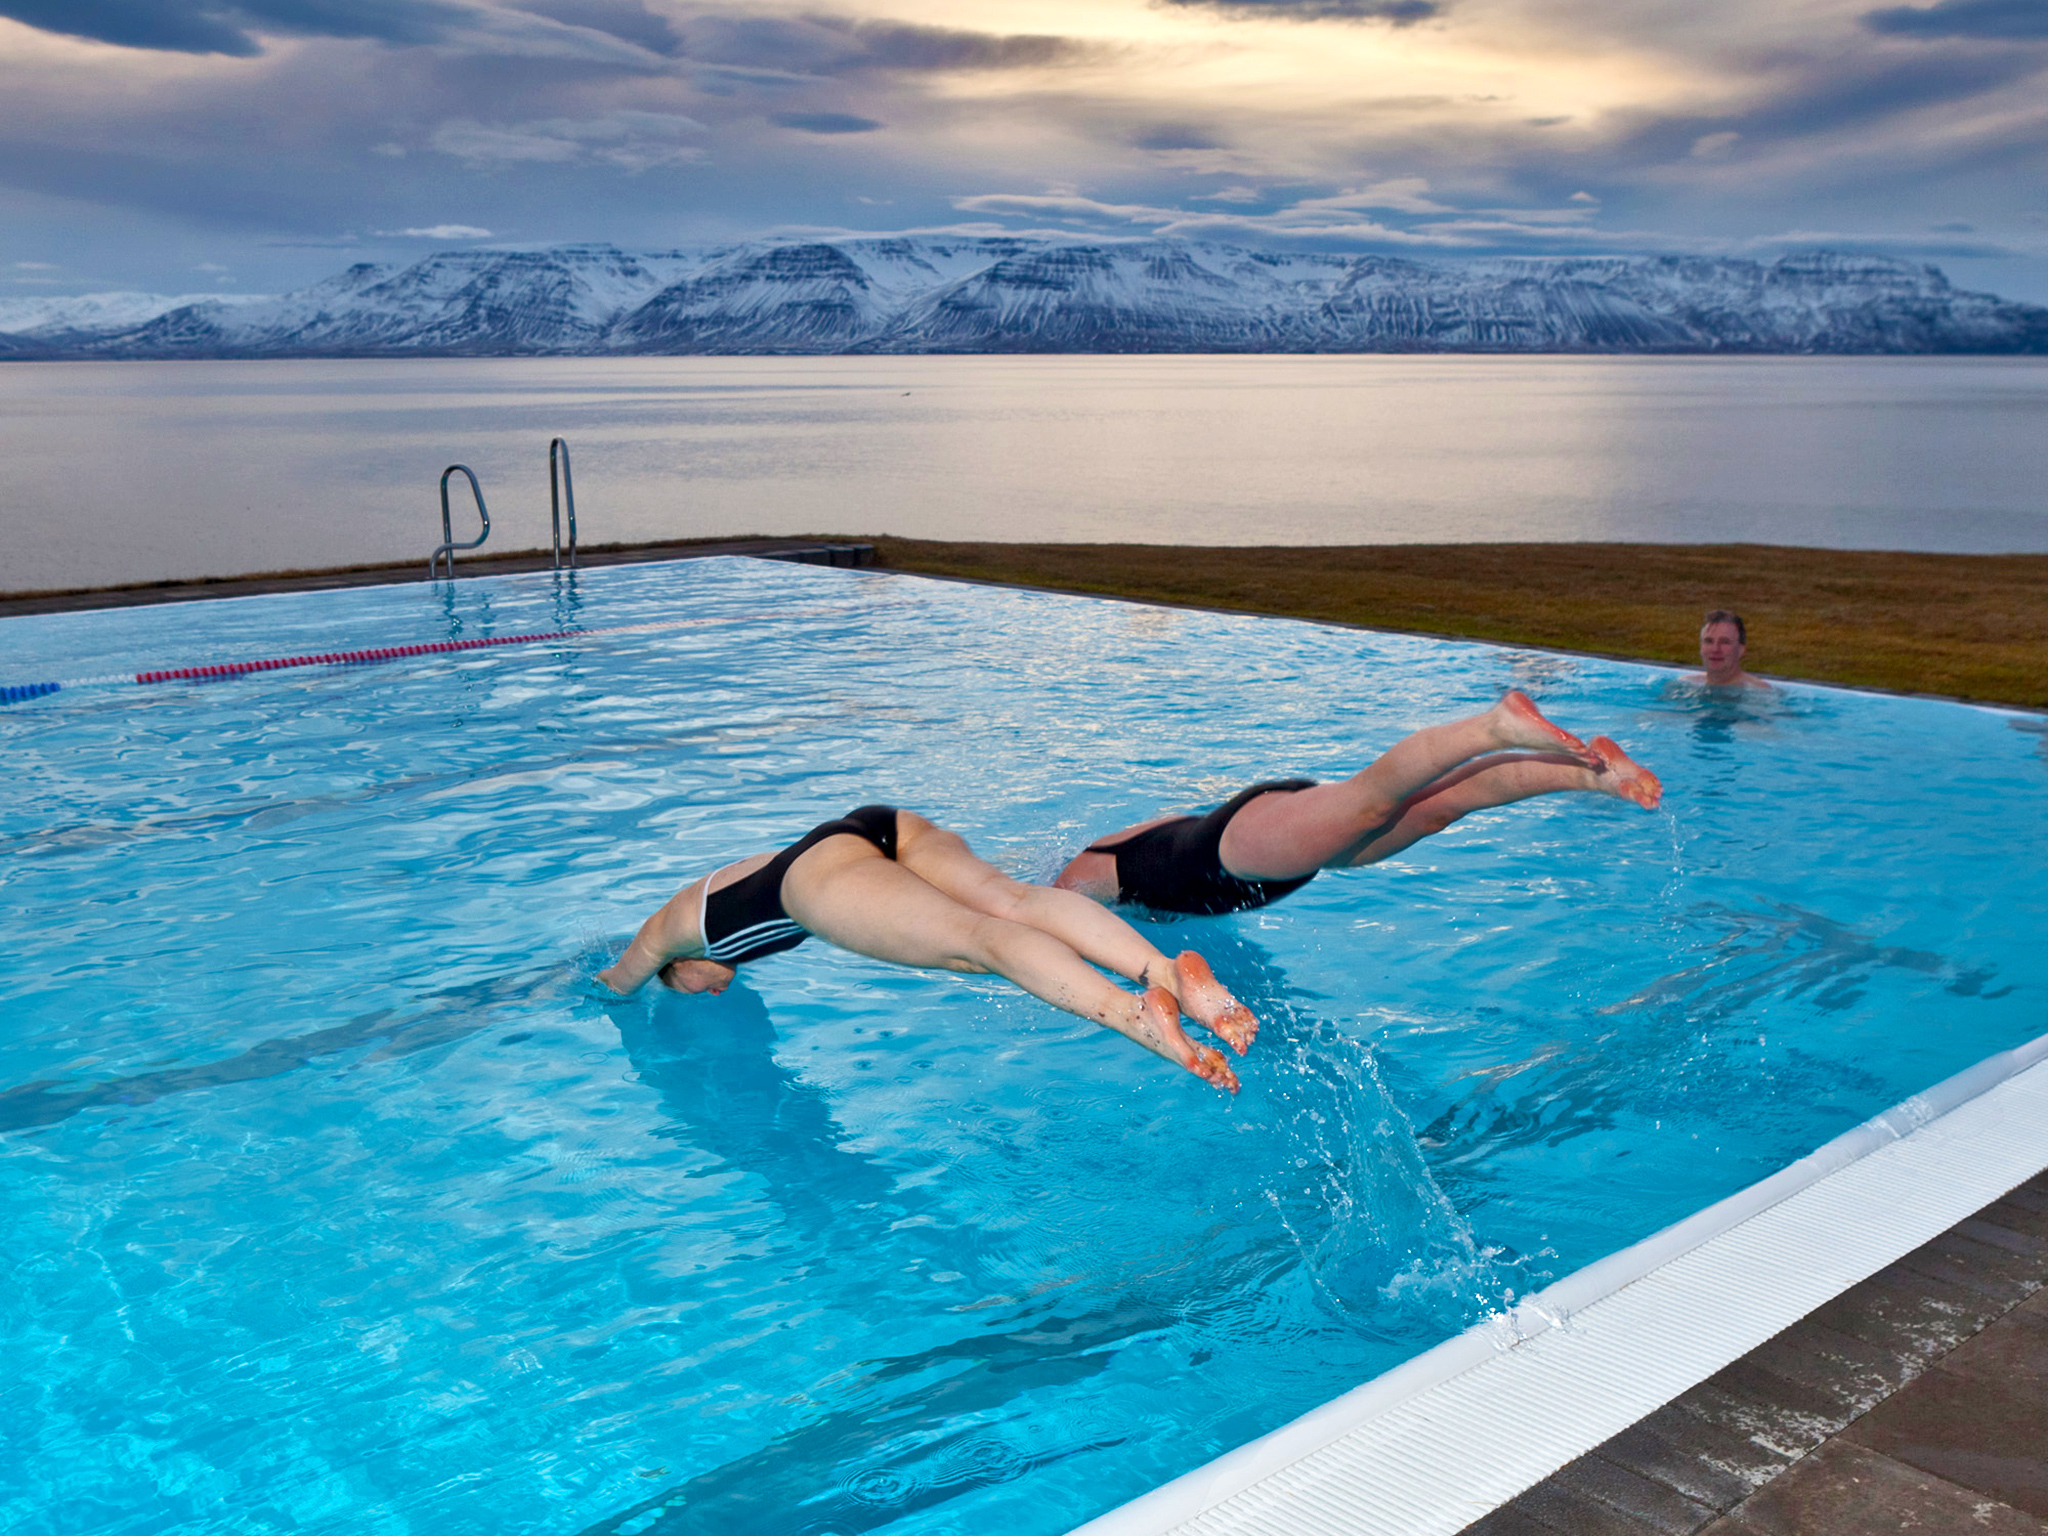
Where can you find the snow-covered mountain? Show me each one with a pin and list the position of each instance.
(934, 294)
(97, 313)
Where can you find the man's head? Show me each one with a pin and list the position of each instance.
(1723, 644)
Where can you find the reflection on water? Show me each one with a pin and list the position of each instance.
(1720, 716)
(129, 472)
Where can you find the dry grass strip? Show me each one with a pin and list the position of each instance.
(1965, 626)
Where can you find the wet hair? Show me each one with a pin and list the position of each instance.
(1727, 616)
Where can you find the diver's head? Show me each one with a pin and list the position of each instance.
(697, 976)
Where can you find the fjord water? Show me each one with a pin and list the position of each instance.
(133, 472)
(337, 1204)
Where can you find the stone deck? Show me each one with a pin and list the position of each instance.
(1915, 1401)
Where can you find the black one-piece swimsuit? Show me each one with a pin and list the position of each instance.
(1177, 866)
(745, 920)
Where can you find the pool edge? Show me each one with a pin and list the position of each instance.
(1445, 1438)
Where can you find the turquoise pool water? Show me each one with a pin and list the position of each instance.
(336, 1204)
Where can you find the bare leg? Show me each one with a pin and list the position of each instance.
(1502, 780)
(847, 892)
(1287, 836)
(944, 860)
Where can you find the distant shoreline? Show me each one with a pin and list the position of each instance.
(1970, 627)
(976, 295)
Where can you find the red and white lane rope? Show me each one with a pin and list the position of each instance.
(11, 693)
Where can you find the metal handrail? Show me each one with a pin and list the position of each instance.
(448, 544)
(560, 493)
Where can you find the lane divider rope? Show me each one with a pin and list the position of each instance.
(14, 693)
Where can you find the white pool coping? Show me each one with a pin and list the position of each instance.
(1443, 1439)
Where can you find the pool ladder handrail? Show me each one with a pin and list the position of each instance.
(561, 492)
(448, 544)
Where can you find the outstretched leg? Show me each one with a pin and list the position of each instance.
(1286, 836)
(1099, 936)
(1502, 780)
(863, 902)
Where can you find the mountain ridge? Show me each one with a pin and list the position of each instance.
(984, 294)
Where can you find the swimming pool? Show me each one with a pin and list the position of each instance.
(338, 1204)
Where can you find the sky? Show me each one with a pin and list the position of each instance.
(254, 146)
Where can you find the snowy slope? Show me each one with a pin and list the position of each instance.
(941, 294)
(91, 313)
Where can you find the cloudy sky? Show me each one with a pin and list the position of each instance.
(255, 145)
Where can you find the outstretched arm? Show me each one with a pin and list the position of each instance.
(670, 934)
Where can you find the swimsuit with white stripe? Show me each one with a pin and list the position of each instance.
(745, 920)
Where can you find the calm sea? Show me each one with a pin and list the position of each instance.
(123, 472)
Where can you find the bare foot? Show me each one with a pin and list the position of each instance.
(1631, 780)
(1209, 1003)
(1159, 1023)
(1517, 722)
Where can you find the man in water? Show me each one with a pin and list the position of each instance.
(1723, 643)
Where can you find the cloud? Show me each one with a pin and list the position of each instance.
(628, 20)
(232, 26)
(36, 266)
(633, 141)
(825, 122)
(1322, 220)
(437, 232)
(1174, 138)
(1399, 13)
(900, 45)
(1404, 194)
(792, 46)
(2001, 19)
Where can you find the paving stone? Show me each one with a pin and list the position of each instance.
(1909, 1312)
(1813, 1412)
(1708, 1464)
(1571, 1512)
(1506, 1521)
(1657, 1507)
(1848, 1490)
(1963, 1261)
(1975, 1429)
(2022, 1210)
(1847, 1370)
(1986, 1228)
(1777, 1435)
(2014, 1350)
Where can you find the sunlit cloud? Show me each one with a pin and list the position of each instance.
(278, 130)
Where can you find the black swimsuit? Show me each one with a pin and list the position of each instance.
(1177, 866)
(745, 920)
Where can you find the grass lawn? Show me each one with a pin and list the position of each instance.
(1968, 626)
